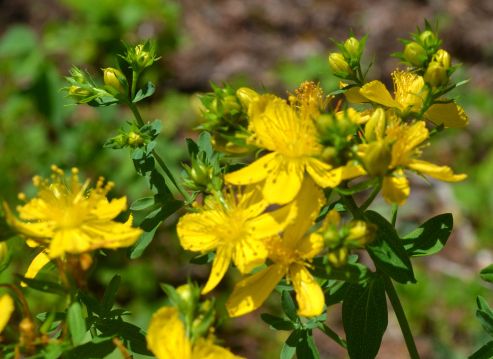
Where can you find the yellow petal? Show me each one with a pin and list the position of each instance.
(196, 230)
(251, 292)
(273, 222)
(110, 209)
(6, 310)
(351, 170)
(219, 267)
(308, 203)
(376, 91)
(166, 336)
(353, 95)
(205, 349)
(36, 265)
(309, 295)
(248, 254)
(69, 241)
(110, 234)
(254, 172)
(252, 201)
(322, 173)
(395, 188)
(311, 246)
(284, 182)
(449, 114)
(39, 230)
(443, 173)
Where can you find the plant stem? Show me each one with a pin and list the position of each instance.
(135, 78)
(333, 335)
(351, 205)
(371, 197)
(159, 160)
(395, 209)
(401, 317)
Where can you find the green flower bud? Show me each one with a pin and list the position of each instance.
(231, 104)
(428, 38)
(338, 257)
(443, 58)
(415, 54)
(185, 292)
(79, 92)
(436, 75)
(143, 58)
(115, 79)
(352, 46)
(135, 139)
(339, 65)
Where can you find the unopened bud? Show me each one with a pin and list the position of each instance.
(231, 104)
(443, 58)
(115, 79)
(135, 139)
(78, 92)
(377, 158)
(338, 257)
(428, 38)
(415, 54)
(246, 96)
(185, 292)
(360, 233)
(352, 46)
(375, 127)
(339, 65)
(436, 75)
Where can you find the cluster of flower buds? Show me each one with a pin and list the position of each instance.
(423, 53)
(83, 89)
(135, 137)
(346, 64)
(141, 56)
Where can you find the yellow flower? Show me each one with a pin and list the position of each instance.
(167, 339)
(294, 145)
(235, 228)
(71, 218)
(410, 94)
(291, 255)
(403, 142)
(6, 310)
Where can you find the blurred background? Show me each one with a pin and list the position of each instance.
(272, 45)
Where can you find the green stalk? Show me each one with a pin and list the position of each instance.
(401, 317)
(333, 335)
(395, 209)
(371, 197)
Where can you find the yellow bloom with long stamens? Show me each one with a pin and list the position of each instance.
(69, 217)
(167, 339)
(236, 228)
(294, 148)
(410, 93)
(400, 147)
(6, 310)
(291, 255)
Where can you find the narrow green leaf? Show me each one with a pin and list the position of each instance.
(485, 315)
(147, 91)
(110, 293)
(289, 348)
(485, 352)
(97, 348)
(277, 322)
(430, 237)
(364, 316)
(388, 252)
(43, 285)
(142, 203)
(76, 323)
(306, 348)
(487, 273)
(288, 305)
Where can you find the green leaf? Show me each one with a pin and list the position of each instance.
(487, 273)
(143, 242)
(43, 285)
(306, 348)
(289, 347)
(147, 91)
(76, 323)
(277, 323)
(485, 352)
(364, 316)
(485, 315)
(288, 305)
(430, 237)
(98, 348)
(133, 337)
(142, 204)
(110, 293)
(203, 258)
(388, 252)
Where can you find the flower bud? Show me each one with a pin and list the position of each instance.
(377, 158)
(436, 75)
(443, 58)
(246, 96)
(3, 251)
(360, 233)
(428, 38)
(78, 92)
(134, 139)
(339, 65)
(338, 257)
(415, 54)
(185, 292)
(115, 79)
(142, 57)
(231, 104)
(352, 46)
(375, 127)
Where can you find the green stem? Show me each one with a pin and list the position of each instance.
(401, 317)
(395, 209)
(159, 160)
(371, 197)
(351, 205)
(135, 78)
